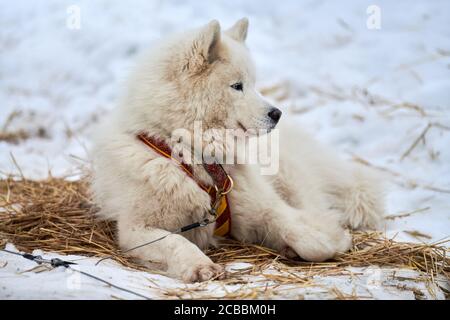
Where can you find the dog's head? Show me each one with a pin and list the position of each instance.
(216, 77)
(204, 76)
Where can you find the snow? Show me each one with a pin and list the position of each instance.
(369, 93)
(23, 279)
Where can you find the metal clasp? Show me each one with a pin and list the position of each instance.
(219, 195)
(221, 192)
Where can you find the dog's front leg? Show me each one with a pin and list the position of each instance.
(261, 216)
(180, 257)
(315, 235)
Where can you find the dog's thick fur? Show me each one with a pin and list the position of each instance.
(302, 210)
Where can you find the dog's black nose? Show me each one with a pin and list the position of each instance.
(275, 114)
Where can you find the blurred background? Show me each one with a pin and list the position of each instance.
(369, 78)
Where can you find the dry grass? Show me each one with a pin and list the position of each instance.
(58, 215)
(14, 137)
(55, 215)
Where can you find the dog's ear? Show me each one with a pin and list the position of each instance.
(239, 30)
(204, 49)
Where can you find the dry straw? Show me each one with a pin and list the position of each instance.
(57, 215)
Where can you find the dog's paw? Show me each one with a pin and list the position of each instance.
(321, 246)
(204, 272)
(318, 242)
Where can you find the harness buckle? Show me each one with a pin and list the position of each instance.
(218, 199)
(220, 191)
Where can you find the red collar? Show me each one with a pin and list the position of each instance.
(221, 182)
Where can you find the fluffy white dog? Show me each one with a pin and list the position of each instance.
(303, 209)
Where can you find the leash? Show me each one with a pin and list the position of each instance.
(56, 262)
(194, 225)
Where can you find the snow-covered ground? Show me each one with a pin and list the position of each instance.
(371, 93)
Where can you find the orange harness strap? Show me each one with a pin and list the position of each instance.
(220, 179)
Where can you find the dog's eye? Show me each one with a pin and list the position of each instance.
(238, 86)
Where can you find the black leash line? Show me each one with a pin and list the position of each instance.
(110, 284)
(56, 262)
(194, 225)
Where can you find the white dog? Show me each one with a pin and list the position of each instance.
(205, 75)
